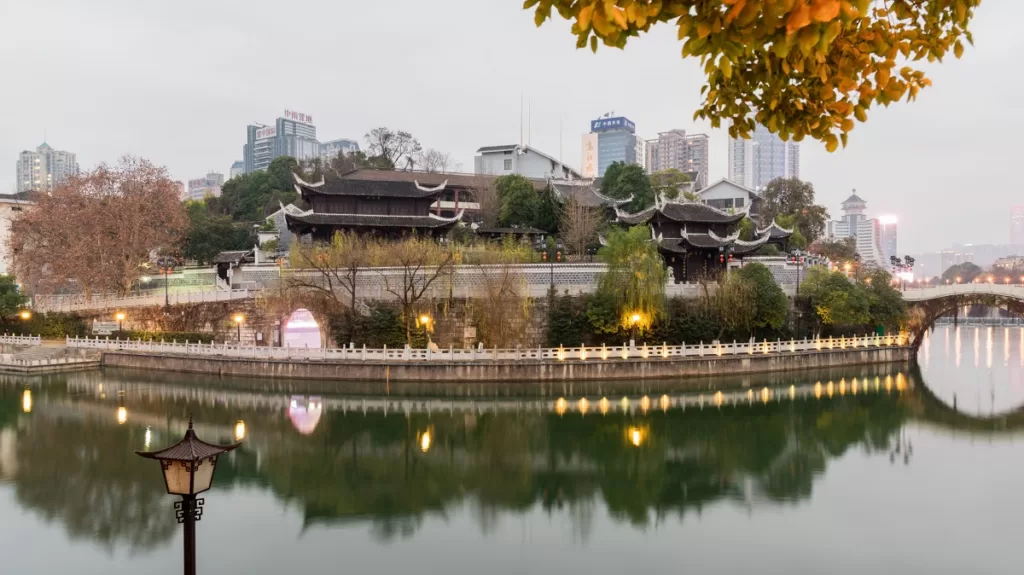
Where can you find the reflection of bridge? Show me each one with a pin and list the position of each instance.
(930, 303)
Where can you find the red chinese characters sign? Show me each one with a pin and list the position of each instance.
(298, 116)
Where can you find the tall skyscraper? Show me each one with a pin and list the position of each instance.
(44, 168)
(867, 232)
(764, 157)
(686, 153)
(613, 140)
(292, 135)
(1017, 225)
(887, 227)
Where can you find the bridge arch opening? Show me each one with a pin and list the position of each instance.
(300, 329)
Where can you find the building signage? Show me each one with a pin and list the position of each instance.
(604, 124)
(298, 117)
(264, 133)
(103, 327)
(589, 156)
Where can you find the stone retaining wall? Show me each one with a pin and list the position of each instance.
(508, 371)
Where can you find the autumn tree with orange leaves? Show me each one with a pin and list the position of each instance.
(799, 67)
(97, 231)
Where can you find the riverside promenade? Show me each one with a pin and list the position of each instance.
(626, 362)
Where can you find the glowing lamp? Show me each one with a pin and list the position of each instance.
(188, 465)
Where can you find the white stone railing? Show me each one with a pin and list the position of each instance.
(78, 302)
(10, 361)
(21, 339)
(583, 353)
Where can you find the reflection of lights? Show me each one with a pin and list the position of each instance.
(956, 344)
(636, 436)
(1006, 347)
(765, 394)
(901, 382)
(830, 388)
(425, 441)
(561, 405)
(625, 404)
(603, 405)
(888, 383)
(853, 386)
(977, 346)
(988, 347)
(239, 430)
(878, 382)
(26, 401)
(817, 390)
(584, 405)
(718, 398)
(148, 438)
(664, 402)
(122, 415)
(792, 392)
(842, 386)
(750, 395)
(645, 403)
(305, 413)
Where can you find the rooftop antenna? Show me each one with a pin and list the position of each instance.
(529, 123)
(520, 119)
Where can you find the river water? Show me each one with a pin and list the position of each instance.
(866, 470)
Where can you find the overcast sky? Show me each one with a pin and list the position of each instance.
(177, 82)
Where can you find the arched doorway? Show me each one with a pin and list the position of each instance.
(301, 330)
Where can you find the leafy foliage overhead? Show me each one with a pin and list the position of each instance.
(799, 67)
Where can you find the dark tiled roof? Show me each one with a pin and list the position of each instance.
(514, 231)
(428, 180)
(775, 231)
(684, 212)
(231, 257)
(372, 221)
(371, 189)
(854, 198)
(586, 194)
(190, 448)
(496, 148)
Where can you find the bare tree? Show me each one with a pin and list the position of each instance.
(578, 225)
(438, 162)
(503, 313)
(98, 230)
(336, 270)
(486, 196)
(409, 268)
(394, 149)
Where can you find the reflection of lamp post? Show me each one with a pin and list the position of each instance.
(26, 401)
(239, 430)
(120, 320)
(636, 436)
(239, 319)
(188, 471)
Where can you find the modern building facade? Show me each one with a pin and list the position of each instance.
(291, 135)
(237, 169)
(678, 150)
(207, 186)
(1017, 225)
(887, 228)
(764, 157)
(44, 168)
(610, 140)
(331, 149)
(523, 160)
(867, 232)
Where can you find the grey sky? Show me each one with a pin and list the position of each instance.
(177, 82)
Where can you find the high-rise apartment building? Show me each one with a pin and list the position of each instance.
(292, 135)
(764, 157)
(887, 228)
(610, 140)
(44, 168)
(237, 169)
(1017, 225)
(678, 150)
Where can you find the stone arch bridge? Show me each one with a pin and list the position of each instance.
(926, 305)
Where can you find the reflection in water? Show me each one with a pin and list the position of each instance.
(640, 454)
(957, 345)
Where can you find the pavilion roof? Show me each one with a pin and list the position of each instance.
(775, 231)
(586, 193)
(190, 448)
(683, 212)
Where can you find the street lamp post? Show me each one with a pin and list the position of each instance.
(239, 319)
(166, 263)
(633, 321)
(188, 471)
(120, 320)
(425, 322)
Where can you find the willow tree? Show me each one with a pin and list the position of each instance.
(798, 67)
(636, 276)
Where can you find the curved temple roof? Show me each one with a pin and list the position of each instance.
(682, 212)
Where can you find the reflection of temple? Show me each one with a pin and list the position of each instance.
(698, 240)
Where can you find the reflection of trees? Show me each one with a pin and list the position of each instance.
(370, 467)
(83, 473)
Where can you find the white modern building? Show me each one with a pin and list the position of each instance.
(610, 140)
(330, 150)
(207, 186)
(523, 160)
(237, 169)
(868, 232)
(291, 135)
(675, 149)
(731, 197)
(44, 168)
(764, 157)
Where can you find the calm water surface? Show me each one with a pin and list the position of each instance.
(868, 470)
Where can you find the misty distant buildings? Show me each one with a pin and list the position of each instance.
(867, 232)
(330, 150)
(208, 186)
(610, 140)
(44, 168)
(523, 160)
(887, 228)
(1017, 225)
(237, 169)
(675, 149)
(764, 157)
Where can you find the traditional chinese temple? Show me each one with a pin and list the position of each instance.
(387, 208)
(699, 240)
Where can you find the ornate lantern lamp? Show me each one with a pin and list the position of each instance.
(188, 471)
